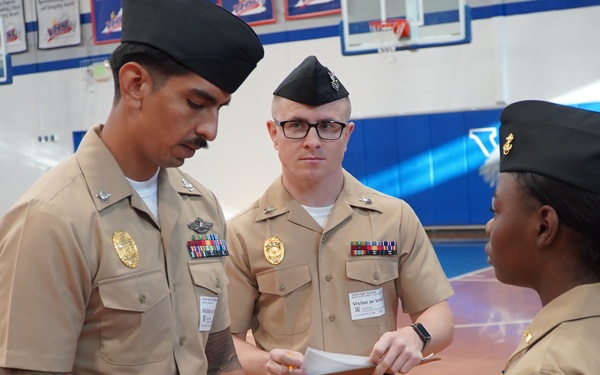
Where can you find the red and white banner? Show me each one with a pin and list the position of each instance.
(13, 16)
(58, 23)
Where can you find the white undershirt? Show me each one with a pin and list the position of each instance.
(320, 214)
(148, 191)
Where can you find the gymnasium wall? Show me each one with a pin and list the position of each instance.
(423, 123)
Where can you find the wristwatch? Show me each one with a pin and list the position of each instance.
(423, 334)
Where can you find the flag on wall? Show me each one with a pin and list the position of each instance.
(58, 23)
(11, 12)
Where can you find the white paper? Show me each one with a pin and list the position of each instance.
(366, 304)
(318, 362)
(207, 307)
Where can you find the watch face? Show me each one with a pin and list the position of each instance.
(422, 332)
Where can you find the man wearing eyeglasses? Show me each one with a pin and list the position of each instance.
(321, 260)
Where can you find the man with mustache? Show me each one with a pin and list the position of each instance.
(105, 266)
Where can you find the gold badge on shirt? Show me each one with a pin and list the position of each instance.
(274, 250)
(126, 249)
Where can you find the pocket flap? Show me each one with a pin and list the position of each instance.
(283, 280)
(372, 270)
(209, 274)
(134, 292)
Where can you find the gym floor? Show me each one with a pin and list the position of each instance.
(490, 317)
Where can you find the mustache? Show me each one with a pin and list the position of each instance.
(197, 142)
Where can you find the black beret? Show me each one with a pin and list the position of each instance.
(311, 83)
(553, 140)
(198, 34)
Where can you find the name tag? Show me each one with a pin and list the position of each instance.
(366, 304)
(207, 307)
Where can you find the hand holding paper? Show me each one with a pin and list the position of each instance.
(317, 362)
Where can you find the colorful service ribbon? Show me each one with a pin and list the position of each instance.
(207, 246)
(373, 248)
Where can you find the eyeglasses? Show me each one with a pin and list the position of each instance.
(328, 130)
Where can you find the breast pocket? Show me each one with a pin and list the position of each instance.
(285, 299)
(136, 319)
(365, 273)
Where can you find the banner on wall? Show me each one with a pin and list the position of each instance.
(5, 67)
(58, 23)
(295, 9)
(107, 20)
(253, 12)
(13, 16)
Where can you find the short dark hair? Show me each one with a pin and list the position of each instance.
(160, 65)
(577, 208)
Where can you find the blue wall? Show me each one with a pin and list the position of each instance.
(431, 161)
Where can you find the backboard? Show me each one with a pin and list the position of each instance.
(432, 23)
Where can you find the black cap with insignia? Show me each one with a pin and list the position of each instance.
(553, 140)
(311, 83)
(198, 34)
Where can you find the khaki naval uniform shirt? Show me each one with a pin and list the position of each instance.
(68, 303)
(304, 301)
(563, 338)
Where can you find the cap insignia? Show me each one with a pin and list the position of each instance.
(126, 249)
(334, 81)
(273, 250)
(508, 145)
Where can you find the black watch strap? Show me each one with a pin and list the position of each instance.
(423, 334)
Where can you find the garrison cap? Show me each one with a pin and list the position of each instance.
(198, 34)
(311, 83)
(553, 140)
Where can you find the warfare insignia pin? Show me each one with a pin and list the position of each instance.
(104, 197)
(187, 185)
(126, 249)
(508, 145)
(200, 226)
(273, 250)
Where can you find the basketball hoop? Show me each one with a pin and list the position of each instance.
(387, 34)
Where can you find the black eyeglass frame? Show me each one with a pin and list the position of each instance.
(310, 126)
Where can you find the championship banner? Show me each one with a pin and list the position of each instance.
(58, 23)
(106, 20)
(13, 16)
(253, 12)
(295, 9)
